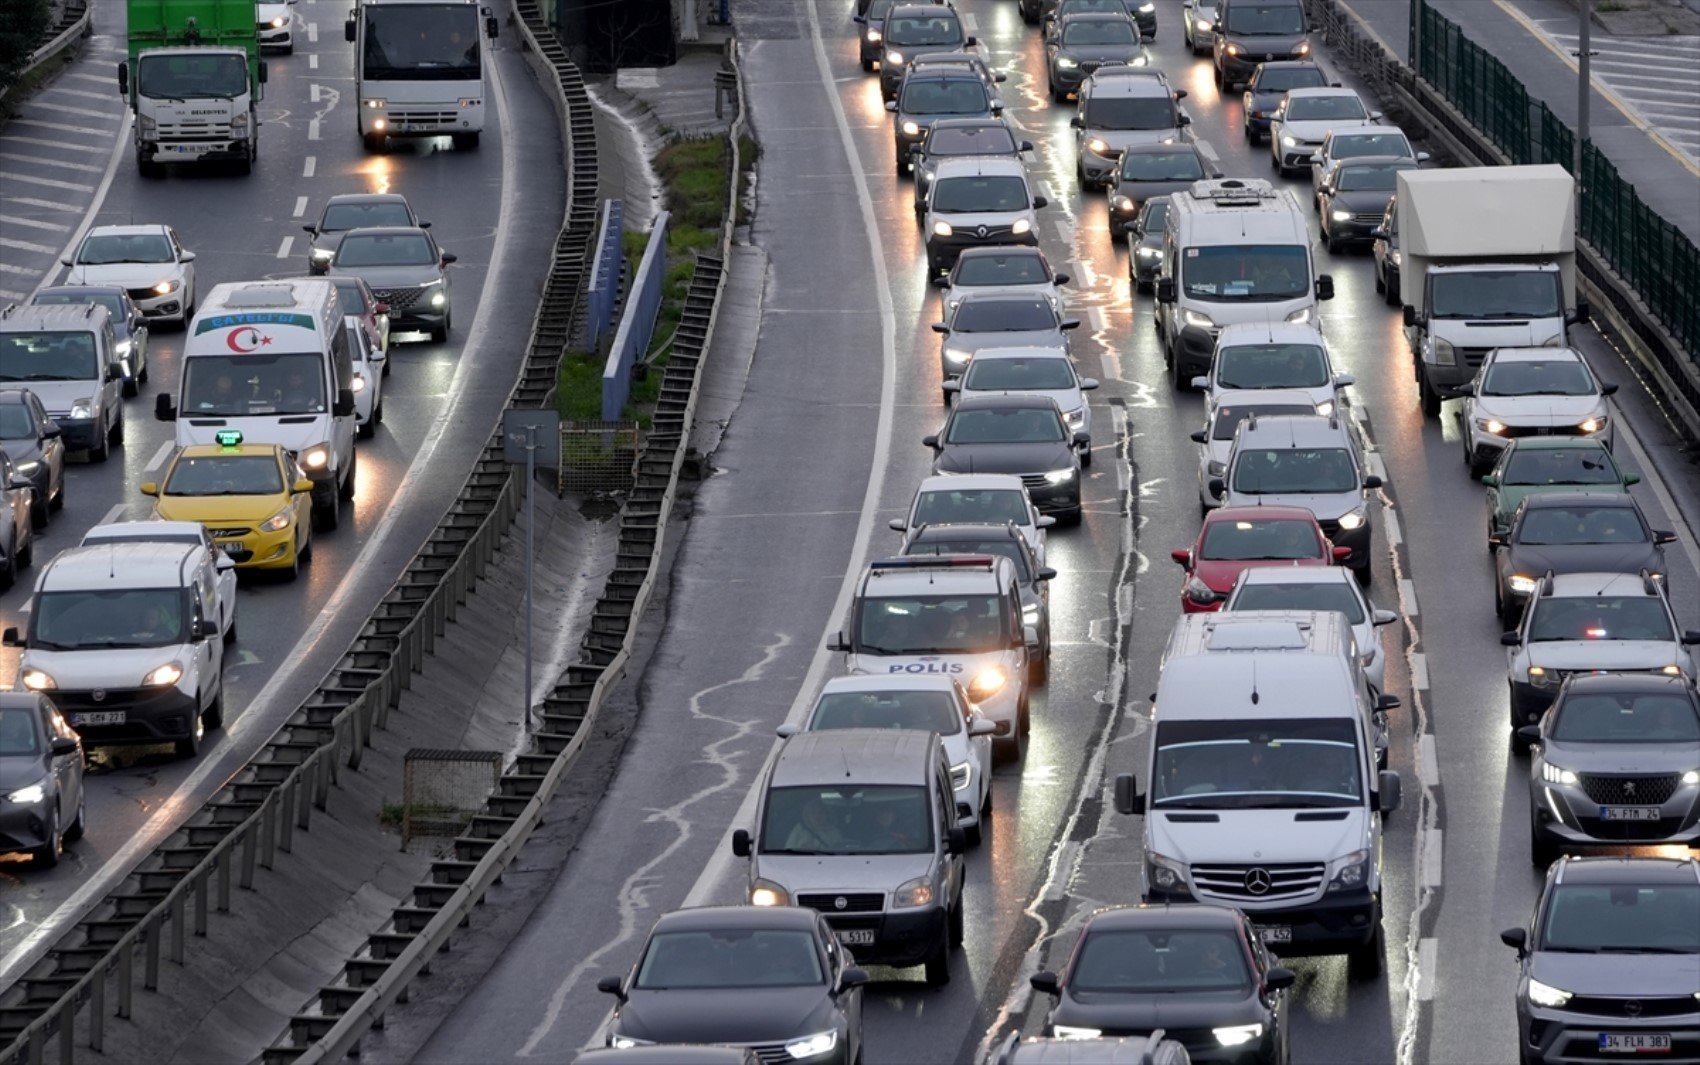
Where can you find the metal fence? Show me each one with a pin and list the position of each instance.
(1652, 256)
(637, 322)
(598, 457)
(603, 289)
(442, 789)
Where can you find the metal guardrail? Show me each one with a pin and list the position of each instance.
(76, 22)
(637, 321)
(607, 263)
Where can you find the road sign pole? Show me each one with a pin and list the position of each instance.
(530, 525)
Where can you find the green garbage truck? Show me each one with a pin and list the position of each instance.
(194, 78)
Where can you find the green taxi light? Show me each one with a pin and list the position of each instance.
(228, 437)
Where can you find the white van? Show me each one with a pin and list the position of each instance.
(1261, 788)
(1233, 251)
(271, 359)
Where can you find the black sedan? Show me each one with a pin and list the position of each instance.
(1199, 973)
(1353, 199)
(33, 442)
(1572, 532)
(773, 979)
(1149, 170)
(1020, 434)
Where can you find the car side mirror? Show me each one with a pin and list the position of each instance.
(860, 20)
(1383, 617)
(1325, 287)
(1387, 794)
(62, 745)
(1341, 554)
(50, 430)
(112, 373)
(422, 224)
(302, 484)
(1046, 982)
(741, 843)
(1608, 388)
(1181, 556)
(786, 731)
(1046, 573)
(348, 31)
(1517, 938)
(10, 638)
(891, 105)
(1026, 146)
(1183, 120)
(931, 440)
(1579, 315)
(1496, 542)
(897, 525)
(1278, 979)
(1664, 536)
(1409, 315)
(1629, 479)
(1315, 157)
(1165, 290)
(123, 90)
(939, 281)
(189, 256)
(1387, 703)
(1342, 380)
(1529, 734)
(852, 977)
(612, 985)
(1217, 486)
(1375, 116)
(1060, 279)
(450, 257)
(1044, 521)
(1127, 797)
(149, 488)
(491, 26)
(971, 42)
(164, 409)
(1468, 388)
(1069, 323)
(1078, 122)
(1690, 638)
(999, 78)
(310, 230)
(997, 107)
(222, 562)
(941, 328)
(1372, 482)
(1423, 157)
(982, 726)
(1088, 384)
(837, 642)
(1199, 436)
(1379, 233)
(206, 630)
(344, 403)
(1510, 639)
(1491, 480)
(956, 841)
(1040, 201)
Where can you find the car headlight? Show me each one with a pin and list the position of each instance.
(123, 348)
(1021, 227)
(1196, 319)
(1491, 425)
(321, 255)
(30, 468)
(894, 57)
(316, 457)
(1164, 872)
(1122, 203)
(163, 676)
(1547, 995)
(1289, 141)
(1062, 476)
(1075, 418)
(377, 104)
(1593, 425)
(767, 893)
(943, 229)
(1068, 1032)
(1351, 871)
(1146, 9)
(1030, 614)
(1238, 1035)
(1340, 216)
(1098, 144)
(911, 128)
(82, 408)
(32, 794)
(359, 383)
(1065, 63)
(280, 521)
(438, 299)
(1443, 353)
(278, 23)
(1539, 677)
(239, 125)
(1202, 24)
(37, 681)
(1691, 777)
(166, 287)
(1234, 49)
(1199, 592)
(812, 1046)
(1302, 48)
(987, 683)
(913, 893)
(1556, 774)
(1150, 253)
(1302, 315)
(1672, 671)
(1394, 257)
(959, 776)
(1353, 519)
(626, 1042)
(955, 357)
(874, 35)
(1216, 469)
(1325, 408)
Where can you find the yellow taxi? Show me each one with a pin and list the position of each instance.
(252, 498)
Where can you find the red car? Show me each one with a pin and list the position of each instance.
(1235, 539)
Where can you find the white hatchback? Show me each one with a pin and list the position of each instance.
(1264, 355)
(1532, 392)
(368, 377)
(1033, 371)
(149, 261)
(977, 499)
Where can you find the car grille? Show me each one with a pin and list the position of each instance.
(195, 131)
(142, 293)
(1286, 881)
(1033, 480)
(424, 118)
(1632, 1007)
(994, 234)
(399, 299)
(228, 534)
(1606, 790)
(1515, 431)
(1473, 356)
(860, 902)
(771, 1053)
(71, 702)
(1373, 218)
(1089, 66)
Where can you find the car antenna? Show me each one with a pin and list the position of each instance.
(846, 760)
(1255, 698)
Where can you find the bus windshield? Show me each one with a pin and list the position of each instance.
(422, 42)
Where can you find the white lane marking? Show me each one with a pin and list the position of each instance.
(119, 141)
(1085, 272)
(300, 206)
(113, 514)
(1428, 761)
(8, 268)
(263, 712)
(1395, 535)
(1408, 597)
(32, 223)
(1419, 671)
(67, 109)
(1654, 479)
(313, 92)
(1064, 233)
(312, 129)
(969, 26)
(52, 183)
(36, 160)
(313, 32)
(1375, 466)
(60, 127)
(104, 79)
(1095, 318)
(1432, 857)
(48, 204)
(283, 249)
(1428, 951)
(24, 245)
(60, 90)
(161, 455)
(62, 146)
(1208, 152)
(308, 165)
(9, 294)
(313, 62)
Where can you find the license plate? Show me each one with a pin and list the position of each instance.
(1630, 813)
(856, 937)
(232, 547)
(1634, 1043)
(99, 717)
(1275, 933)
(188, 149)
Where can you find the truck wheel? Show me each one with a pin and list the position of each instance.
(1365, 962)
(1426, 395)
(373, 142)
(465, 142)
(147, 167)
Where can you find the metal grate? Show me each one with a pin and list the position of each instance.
(598, 457)
(854, 902)
(442, 789)
(1238, 882)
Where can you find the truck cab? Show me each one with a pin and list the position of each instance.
(193, 77)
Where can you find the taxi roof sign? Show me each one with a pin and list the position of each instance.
(228, 437)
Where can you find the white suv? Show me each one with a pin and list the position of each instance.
(1532, 392)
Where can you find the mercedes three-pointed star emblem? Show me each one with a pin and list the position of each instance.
(1258, 880)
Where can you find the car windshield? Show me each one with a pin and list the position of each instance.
(191, 76)
(1252, 272)
(120, 617)
(729, 959)
(847, 819)
(930, 625)
(1282, 763)
(1625, 717)
(16, 422)
(976, 140)
(1369, 177)
(1604, 617)
(1018, 375)
(1496, 294)
(1159, 961)
(105, 249)
(1284, 79)
(1309, 595)
(384, 249)
(1537, 377)
(113, 303)
(926, 711)
(1075, 7)
(933, 30)
(1285, 18)
(353, 302)
(1272, 366)
(993, 270)
(1359, 145)
(1129, 112)
(245, 385)
(1259, 541)
(974, 506)
(225, 475)
(1553, 466)
(19, 733)
(1295, 471)
(341, 216)
(1005, 425)
(878, 9)
(1228, 418)
(1004, 546)
(48, 356)
(1004, 316)
(1622, 919)
(1324, 108)
(1098, 31)
(971, 194)
(1162, 166)
(1552, 526)
(957, 96)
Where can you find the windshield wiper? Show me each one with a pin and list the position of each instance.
(1645, 950)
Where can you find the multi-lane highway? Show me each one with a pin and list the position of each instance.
(826, 447)
(441, 400)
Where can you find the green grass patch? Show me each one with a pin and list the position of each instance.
(694, 172)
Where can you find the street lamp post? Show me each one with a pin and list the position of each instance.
(527, 431)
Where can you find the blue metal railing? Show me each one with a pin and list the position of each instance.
(637, 322)
(604, 286)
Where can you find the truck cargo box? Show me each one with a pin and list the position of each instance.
(1497, 214)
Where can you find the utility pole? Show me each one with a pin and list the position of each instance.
(1584, 96)
(527, 431)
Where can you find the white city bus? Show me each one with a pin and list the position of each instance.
(419, 69)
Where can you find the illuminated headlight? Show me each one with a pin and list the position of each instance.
(1060, 476)
(316, 457)
(987, 683)
(1164, 872)
(37, 681)
(1146, 9)
(1491, 425)
(1539, 677)
(955, 357)
(1021, 227)
(913, 893)
(1303, 48)
(1065, 1032)
(626, 1042)
(1139, 61)
(1672, 671)
(1522, 585)
(874, 35)
(30, 468)
(278, 23)
(1122, 203)
(1065, 63)
(1302, 315)
(1325, 408)
(163, 676)
(438, 299)
(1030, 614)
(942, 229)
(1554, 774)
(959, 776)
(377, 104)
(1443, 353)
(166, 287)
(34, 793)
(894, 57)
(239, 125)
(359, 383)
(812, 1046)
(911, 129)
(280, 521)
(321, 255)
(1098, 145)
(1150, 253)
(1691, 778)
(1197, 320)
(767, 893)
(1353, 519)
(1234, 49)
(1547, 995)
(1593, 425)
(1351, 871)
(1238, 1035)
(1290, 142)
(1202, 25)
(123, 348)
(1340, 216)
(82, 408)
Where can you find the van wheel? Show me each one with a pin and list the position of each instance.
(973, 835)
(957, 923)
(1007, 749)
(327, 515)
(367, 428)
(346, 489)
(230, 632)
(1426, 395)
(1542, 852)
(100, 451)
(38, 512)
(26, 553)
(116, 435)
(1364, 963)
(9, 573)
(214, 714)
(938, 964)
(190, 745)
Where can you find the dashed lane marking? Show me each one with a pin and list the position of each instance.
(8, 268)
(1419, 671)
(67, 109)
(313, 92)
(312, 129)
(308, 165)
(1095, 317)
(1432, 857)
(60, 90)
(86, 76)
(1408, 597)
(8, 294)
(1428, 761)
(1395, 534)
(313, 32)
(1064, 233)
(1428, 951)
(52, 183)
(300, 206)
(1087, 275)
(25, 245)
(60, 127)
(14, 220)
(283, 249)
(63, 146)
(13, 157)
(313, 62)
(113, 514)
(160, 456)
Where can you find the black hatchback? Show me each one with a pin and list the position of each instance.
(1020, 434)
(1198, 973)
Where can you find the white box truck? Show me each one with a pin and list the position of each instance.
(1489, 262)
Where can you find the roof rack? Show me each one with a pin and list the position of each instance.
(1234, 192)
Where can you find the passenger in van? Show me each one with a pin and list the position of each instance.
(224, 396)
(891, 833)
(815, 830)
(299, 393)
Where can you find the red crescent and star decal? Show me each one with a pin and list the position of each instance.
(245, 339)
